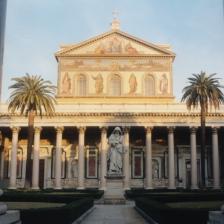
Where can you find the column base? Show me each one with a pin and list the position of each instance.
(103, 188)
(127, 188)
(172, 188)
(148, 188)
(35, 188)
(216, 187)
(194, 188)
(12, 188)
(80, 188)
(57, 188)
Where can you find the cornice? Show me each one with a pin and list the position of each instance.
(112, 56)
(121, 114)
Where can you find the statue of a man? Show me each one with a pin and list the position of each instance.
(164, 84)
(66, 84)
(132, 84)
(115, 153)
(98, 83)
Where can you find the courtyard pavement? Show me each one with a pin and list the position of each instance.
(114, 214)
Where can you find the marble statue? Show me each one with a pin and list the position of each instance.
(74, 168)
(98, 83)
(66, 84)
(155, 168)
(163, 84)
(8, 217)
(132, 84)
(115, 153)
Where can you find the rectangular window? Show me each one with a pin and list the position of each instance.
(91, 162)
(137, 163)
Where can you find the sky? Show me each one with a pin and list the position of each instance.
(35, 30)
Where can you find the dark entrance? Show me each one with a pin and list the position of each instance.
(41, 173)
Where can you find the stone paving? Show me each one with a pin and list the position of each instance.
(114, 214)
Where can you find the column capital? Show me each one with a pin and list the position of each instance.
(148, 129)
(81, 129)
(37, 129)
(15, 129)
(126, 129)
(214, 130)
(103, 129)
(193, 129)
(59, 129)
(170, 129)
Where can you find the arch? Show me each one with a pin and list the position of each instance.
(81, 85)
(115, 85)
(149, 85)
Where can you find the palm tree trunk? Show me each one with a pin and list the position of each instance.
(203, 115)
(28, 178)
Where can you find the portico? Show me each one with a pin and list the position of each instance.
(83, 161)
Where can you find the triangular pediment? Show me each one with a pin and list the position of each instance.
(115, 42)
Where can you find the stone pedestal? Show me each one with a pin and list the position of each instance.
(8, 217)
(114, 193)
(216, 217)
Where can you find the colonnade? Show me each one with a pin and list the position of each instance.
(103, 158)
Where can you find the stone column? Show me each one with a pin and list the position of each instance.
(171, 168)
(13, 164)
(148, 159)
(194, 182)
(2, 164)
(35, 173)
(59, 131)
(215, 158)
(126, 165)
(103, 158)
(81, 159)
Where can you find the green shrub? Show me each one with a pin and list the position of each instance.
(49, 196)
(176, 196)
(164, 214)
(60, 215)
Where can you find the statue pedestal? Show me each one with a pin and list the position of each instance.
(114, 193)
(8, 217)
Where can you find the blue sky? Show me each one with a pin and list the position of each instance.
(35, 29)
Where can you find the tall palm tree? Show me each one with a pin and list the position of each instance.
(31, 95)
(203, 91)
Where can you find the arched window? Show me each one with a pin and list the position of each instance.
(81, 85)
(149, 86)
(115, 85)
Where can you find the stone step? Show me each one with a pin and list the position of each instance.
(111, 201)
(10, 217)
(3, 208)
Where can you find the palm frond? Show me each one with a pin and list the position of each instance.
(204, 91)
(32, 93)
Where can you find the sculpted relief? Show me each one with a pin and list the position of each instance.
(163, 84)
(66, 84)
(98, 83)
(115, 45)
(149, 65)
(132, 84)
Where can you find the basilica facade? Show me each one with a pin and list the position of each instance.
(114, 81)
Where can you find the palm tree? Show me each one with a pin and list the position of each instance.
(203, 91)
(31, 95)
